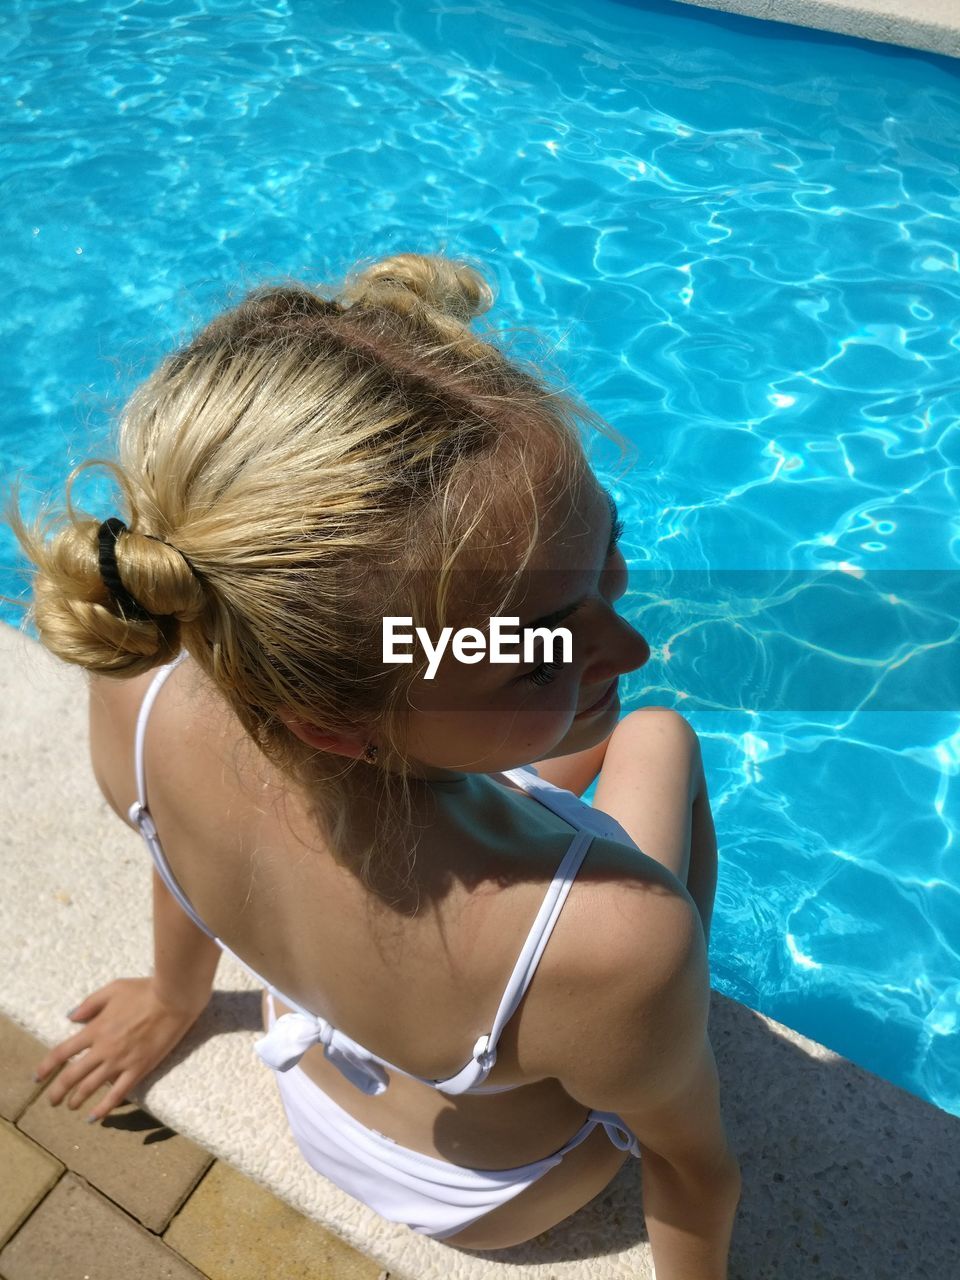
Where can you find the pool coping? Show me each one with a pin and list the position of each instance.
(843, 1173)
(130, 1198)
(932, 26)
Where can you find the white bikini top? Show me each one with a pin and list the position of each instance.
(293, 1034)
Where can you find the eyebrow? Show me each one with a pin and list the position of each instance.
(554, 619)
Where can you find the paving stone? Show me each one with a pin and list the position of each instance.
(76, 1232)
(134, 1159)
(19, 1052)
(232, 1229)
(27, 1173)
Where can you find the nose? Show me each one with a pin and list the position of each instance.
(636, 649)
(646, 650)
(619, 646)
(628, 645)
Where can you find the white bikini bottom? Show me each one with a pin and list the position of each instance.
(427, 1194)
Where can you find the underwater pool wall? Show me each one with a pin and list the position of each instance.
(932, 25)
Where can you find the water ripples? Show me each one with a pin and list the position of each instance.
(742, 247)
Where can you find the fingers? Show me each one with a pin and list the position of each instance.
(59, 1055)
(113, 1097)
(71, 1076)
(90, 1083)
(91, 1006)
(83, 1078)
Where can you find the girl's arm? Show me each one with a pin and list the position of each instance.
(132, 1024)
(184, 957)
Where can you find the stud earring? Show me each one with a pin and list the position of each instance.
(370, 754)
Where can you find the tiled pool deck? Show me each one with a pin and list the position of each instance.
(846, 1177)
(131, 1200)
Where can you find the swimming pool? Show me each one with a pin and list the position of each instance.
(741, 237)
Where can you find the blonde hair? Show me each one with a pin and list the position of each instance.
(301, 446)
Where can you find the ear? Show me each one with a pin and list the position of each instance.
(339, 744)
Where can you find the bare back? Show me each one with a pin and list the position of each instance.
(254, 866)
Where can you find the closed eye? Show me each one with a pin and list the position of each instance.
(546, 672)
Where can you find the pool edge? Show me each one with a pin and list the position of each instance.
(932, 26)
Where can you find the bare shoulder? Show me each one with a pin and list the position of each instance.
(114, 704)
(630, 926)
(637, 913)
(109, 695)
(114, 710)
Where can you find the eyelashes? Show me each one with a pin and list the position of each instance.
(547, 672)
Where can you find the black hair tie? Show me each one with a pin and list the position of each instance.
(107, 535)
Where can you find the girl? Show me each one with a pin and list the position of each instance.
(481, 995)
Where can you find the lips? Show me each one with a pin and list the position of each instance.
(603, 698)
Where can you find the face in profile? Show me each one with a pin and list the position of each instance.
(485, 717)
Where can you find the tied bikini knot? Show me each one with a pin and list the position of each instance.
(289, 1039)
(294, 1033)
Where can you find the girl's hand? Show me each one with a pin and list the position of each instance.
(128, 1031)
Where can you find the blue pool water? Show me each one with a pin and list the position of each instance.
(740, 240)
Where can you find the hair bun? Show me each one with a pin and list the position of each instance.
(454, 288)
